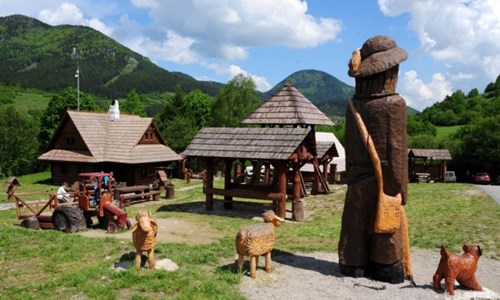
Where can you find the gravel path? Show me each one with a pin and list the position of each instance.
(316, 276)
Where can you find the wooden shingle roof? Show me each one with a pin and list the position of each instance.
(288, 107)
(112, 141)
(442, 154)
(326, 142)
(247, 143)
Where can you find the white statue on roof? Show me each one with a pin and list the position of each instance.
(114, 110)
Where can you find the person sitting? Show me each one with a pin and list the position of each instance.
(62, 194)
(95, 186)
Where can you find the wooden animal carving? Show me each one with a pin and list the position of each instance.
(257, 240)
(144, 238)
(460, 267)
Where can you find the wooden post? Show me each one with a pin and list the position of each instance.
(281, 205)
(237, 173)
(297, 204)
(325, 170)
(209, 183)
(443, 170)
(333, 173)
(316, 187)
(267, 173)
(228, 200)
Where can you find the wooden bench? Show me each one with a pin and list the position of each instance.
(137, 193)
(244, 193)
(279, 199)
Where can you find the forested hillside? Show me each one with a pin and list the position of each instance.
(476, 144)
(36, 55)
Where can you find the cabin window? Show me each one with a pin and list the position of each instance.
(70, 141)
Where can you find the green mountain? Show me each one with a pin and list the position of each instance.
(325, 91)
(36, 55)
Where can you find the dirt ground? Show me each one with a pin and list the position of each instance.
(170, 230)
(317, 276)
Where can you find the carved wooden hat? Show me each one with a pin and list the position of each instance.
(378, 54)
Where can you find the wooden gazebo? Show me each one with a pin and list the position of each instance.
(284, 143)
(280, 148)
(289, 108)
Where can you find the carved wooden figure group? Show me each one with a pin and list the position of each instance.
(144, 238)
(257, 240)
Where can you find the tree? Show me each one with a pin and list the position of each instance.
(234, 102)
(182, 117)
(179, 133)
(133, 104)
(422, 141)
(416, 126)
(479, 146)
(56, 109)
(199, 105)
(473, 93)
(18, 149)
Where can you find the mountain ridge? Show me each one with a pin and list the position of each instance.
(30, 47)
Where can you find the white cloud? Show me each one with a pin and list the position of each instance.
(209, 31)
(419, 94)
(232, 70)
(227, 29)
(462, 34)
(145, 3)
(66, 14)
(69, 13)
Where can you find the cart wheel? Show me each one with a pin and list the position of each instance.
(111, 228)
(128, 224)
(60, 221)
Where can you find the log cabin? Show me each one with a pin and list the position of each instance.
(130, 146)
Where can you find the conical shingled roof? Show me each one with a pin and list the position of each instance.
(288, 107)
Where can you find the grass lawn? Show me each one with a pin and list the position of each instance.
(30, 99)
(49, 264)
(442, 132)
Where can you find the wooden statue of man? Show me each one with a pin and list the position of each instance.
(362, 251)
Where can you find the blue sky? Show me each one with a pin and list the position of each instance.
(452, 44)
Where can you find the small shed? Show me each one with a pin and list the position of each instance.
(432, 161)
(284, 149)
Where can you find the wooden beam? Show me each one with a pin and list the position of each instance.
(281, 205)
(297, 204)
(209, 183)
(228, 200)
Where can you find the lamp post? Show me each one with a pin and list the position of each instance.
(77, 75)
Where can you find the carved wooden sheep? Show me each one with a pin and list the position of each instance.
(144, 238)
(257, 240)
